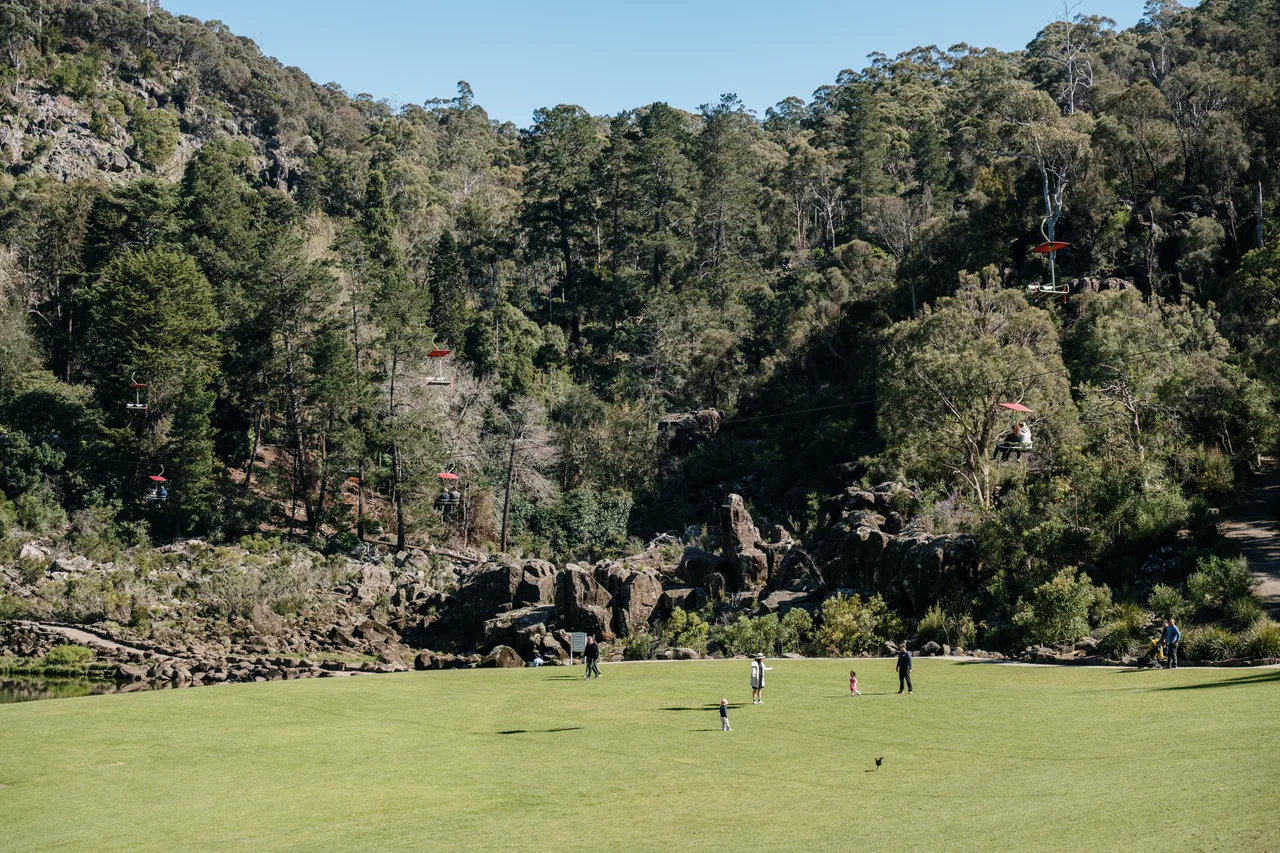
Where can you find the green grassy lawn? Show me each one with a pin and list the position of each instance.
(982, 757)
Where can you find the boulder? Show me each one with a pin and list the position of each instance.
(673, 597)
(635, 602)
(265, 620)
(375, 633)
(681, 432)
(715, 587)
(930, 649)
(582, 604)
(684, 654)
(537, 584)
(782, 600)
(375, 581)
(394, 654)
(130, 672)
(340, 636)
(502, 657)
(888, 649)
(520, 629)
(695, 565)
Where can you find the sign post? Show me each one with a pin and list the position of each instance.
(577, 643)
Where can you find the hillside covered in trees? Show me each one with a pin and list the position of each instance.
(844, 279)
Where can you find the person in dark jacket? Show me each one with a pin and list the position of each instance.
(1172, 636)
(591, 654)
(904, 670)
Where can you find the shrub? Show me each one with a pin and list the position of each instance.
(68, 654)
(796, 630)
(1166, 602)
(1217, 581)
(1243, 613)
(933, 627)
(956, 631)
(850, 627)
(155, 136)
(1262, 640)
(38, 510)
(639, 646)
(687, 630)
(1125, 628)
(744, 635)
(12, 607)
(1209, 643)
(1059, 611)
(78, 77)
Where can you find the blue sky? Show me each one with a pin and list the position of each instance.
(609, 56)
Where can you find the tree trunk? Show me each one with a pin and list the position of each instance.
(360, 502)
(396, 491)
(1259, 207)
(253, 454)
(506, 500)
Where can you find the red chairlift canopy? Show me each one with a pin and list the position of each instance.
(1050, 247)
(438, 353)
(137, 386)
(445, 475)
(156, 478)
(1017, 407)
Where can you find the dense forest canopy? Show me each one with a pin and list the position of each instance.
(844, 278)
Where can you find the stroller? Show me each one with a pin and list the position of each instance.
(1155, 655)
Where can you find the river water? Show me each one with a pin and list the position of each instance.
(30, 688)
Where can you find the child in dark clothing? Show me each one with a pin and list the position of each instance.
(724, 716)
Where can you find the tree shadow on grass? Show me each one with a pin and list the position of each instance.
(711, 707)
(540, 731)
(1255, 678)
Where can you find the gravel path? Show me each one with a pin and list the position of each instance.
(84, 638)
(1255, 526)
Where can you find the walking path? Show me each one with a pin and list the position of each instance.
(1255, 527)
(83, 638)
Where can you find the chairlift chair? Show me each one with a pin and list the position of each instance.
(137, 405)
(1051, 248)
(1004, 448)
(438, 380)
(157, 493)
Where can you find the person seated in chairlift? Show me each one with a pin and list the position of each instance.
(1017, 442)
(455, 496)
(164, 493)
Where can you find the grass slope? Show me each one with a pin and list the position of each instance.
(982, 757)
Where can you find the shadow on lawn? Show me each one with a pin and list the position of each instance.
(540, 731)
(1255, 678)
(710, 707)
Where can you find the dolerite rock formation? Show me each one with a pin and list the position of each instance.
(911, 570)
(582, 604)
(743, 563)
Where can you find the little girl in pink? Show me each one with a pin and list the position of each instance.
(853, 684)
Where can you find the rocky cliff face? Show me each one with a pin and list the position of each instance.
(65, 139)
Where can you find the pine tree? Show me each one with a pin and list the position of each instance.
(193, 494)
(448, 301)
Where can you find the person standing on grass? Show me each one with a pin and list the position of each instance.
(853, 684)
(758, 669)
(1172, 636)
(724, 716)
(591, 654)
(904, 670)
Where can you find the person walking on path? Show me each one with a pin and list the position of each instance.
(904, 670)
(724, 716)
(591, 654)
(1172, 636)
(758, 669)
(853, 684)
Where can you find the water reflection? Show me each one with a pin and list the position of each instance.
(28, 689)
